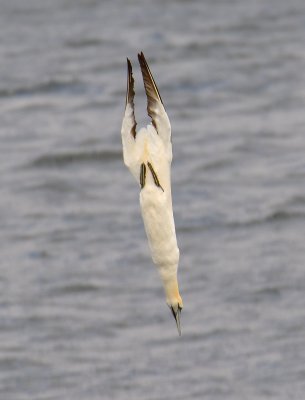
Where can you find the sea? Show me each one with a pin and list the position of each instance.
(82, 310)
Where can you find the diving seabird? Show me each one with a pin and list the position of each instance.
(148, 155)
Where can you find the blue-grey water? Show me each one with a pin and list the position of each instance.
(82, 311)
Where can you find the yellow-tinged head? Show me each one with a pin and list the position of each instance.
(174, 300)
(176, 311)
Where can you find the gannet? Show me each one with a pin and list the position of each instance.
(147, 154)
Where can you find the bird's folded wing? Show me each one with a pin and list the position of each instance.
(155, 107)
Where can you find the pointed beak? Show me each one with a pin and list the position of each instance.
(176, 314)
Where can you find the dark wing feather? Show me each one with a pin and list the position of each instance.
(130, 96)
(153, 96)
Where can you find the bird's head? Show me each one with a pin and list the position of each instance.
(175, 304)
(176, 311)
(173, 298)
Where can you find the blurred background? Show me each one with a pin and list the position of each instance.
(82, 311)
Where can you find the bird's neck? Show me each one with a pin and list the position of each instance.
(171, 288)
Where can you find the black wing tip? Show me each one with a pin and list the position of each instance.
(141, 56)
(129, 69)
(142, 60)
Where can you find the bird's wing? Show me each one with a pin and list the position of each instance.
(129, 121)
(128, 130)
(155, 107)
(130, 97)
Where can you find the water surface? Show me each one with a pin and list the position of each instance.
(82, 312)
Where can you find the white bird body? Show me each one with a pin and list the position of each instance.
(148, 155)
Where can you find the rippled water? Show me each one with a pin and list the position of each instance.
(82, 312)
